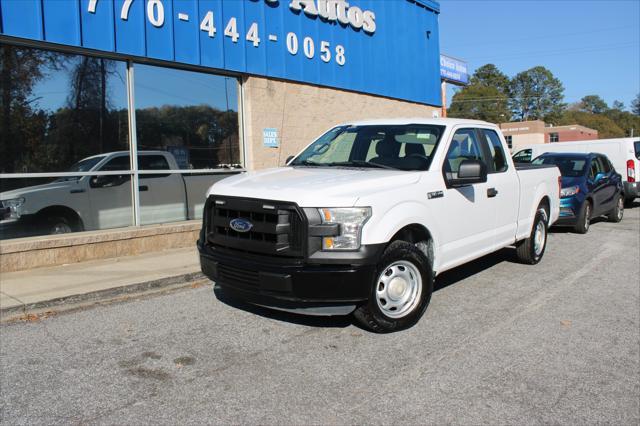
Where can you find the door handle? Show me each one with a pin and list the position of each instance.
(76, 191)
(143, 188)
(492, 192)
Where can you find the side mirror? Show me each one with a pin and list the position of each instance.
(599, 177)
(108, 181)
(470, 172)
(289, 158)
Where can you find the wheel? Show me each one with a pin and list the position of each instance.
(531, 250)
(584, 218)
(54, 225)
(400, 292)
(617, 213)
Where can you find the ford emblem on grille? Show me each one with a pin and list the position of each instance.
(241, 225)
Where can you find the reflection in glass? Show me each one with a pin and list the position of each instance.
(45, 206)
(58, 108)
(193, 116)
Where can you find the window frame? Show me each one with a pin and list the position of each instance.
(132, 152)
(484, 149)
(491, 167)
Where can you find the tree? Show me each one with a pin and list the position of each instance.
(635, 105)
(480, 103)
(605, 126)
(593, 104)
(617, 106)
(536, 94)
(490, 76)
(485, 98)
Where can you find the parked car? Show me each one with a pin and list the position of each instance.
(590, 188)
(365, 217)
(98, 202)
(624, 154)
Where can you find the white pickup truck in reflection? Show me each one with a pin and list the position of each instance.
(72, 204)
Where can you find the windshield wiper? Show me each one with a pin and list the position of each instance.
(362, 163)
(307, 163)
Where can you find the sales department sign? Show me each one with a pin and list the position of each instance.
(388, 48)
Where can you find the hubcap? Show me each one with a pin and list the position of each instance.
(60, 228)
(620, 208)
(398, 289)
(587, 218)
(539, 238)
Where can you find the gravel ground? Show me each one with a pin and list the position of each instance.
(501, 343)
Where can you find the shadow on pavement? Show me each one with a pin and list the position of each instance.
(306, 320)
(445, 280)
(474, 267)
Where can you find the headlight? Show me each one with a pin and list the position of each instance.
(11, 208)
(568, 192)
(351, 221)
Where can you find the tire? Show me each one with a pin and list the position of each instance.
(584, 218)
(55, 225)
(531, 250)
(616, 214)
(404, 269)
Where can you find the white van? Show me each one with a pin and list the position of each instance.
(624, 154)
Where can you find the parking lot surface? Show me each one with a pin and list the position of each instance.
(501, 343)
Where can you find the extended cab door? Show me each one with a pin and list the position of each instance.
(466, 219)
(110, 196)
(162, 195)
(503, 190)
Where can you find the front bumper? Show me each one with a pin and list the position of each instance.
(292, 284)
(569, 211)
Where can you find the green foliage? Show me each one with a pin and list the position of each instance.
(490, 76)
(625, 120)
(593, 104)
(618, 105)
(480, 103)
(635, 105)
(485, 98)
(605, 126)
(536, 94)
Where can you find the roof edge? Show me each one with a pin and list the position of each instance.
(429, 4)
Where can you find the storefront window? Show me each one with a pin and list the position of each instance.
(61, 113)
(192, 115)
(65, 147)
(185, 121)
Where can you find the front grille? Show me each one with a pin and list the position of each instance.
(278, 228)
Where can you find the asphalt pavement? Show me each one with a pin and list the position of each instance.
(501, 343)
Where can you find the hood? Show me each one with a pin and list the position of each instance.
(33, 190)
(571, 181)
(313, 186)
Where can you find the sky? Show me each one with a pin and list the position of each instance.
(592, 46)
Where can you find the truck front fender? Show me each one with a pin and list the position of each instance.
(382, 227)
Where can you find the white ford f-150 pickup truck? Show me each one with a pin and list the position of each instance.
(84, 203)
(365, 217)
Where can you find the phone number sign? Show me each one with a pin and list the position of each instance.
(389, 48)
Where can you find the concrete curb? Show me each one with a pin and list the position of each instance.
(79, 301)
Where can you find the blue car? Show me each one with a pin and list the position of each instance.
(590, 188)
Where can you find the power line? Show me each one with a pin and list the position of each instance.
(543, 53)
(550, 36)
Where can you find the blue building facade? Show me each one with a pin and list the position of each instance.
(382, 47)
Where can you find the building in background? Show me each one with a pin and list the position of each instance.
(109, 99)
(523, 133)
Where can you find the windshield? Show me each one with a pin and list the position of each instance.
(81, 166)
(569, 166)
(400, 147)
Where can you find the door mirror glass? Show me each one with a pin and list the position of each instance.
(470, 172)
